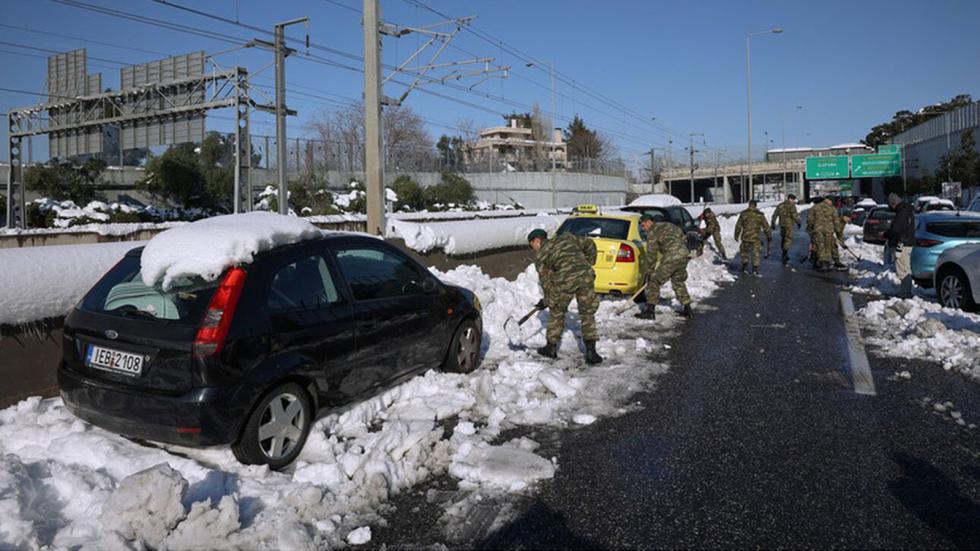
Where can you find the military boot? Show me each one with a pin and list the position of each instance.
(549, 350)
(756, 272)
(823, 266)
(785, 258)
(687, 312)
(840, 266)
(905, 291)
(647, 312)
(591, 356)
(745, 269)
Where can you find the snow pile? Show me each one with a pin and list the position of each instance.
(917, 328)
(42, 282)
(207, 247)
(470, 236)
(914, 328)
(58, 473)
(655, 200)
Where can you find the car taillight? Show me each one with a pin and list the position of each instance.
(625, 253)
(926, 242)
(872, 222)
(217, 320)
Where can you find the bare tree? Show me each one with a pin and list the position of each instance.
(541, 129)
(408, 146)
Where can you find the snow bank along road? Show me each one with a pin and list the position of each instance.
(64, 483)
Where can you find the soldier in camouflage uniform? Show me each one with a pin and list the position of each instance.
(665, 259)
(711, 229)
(844, 220)
(787, 216)
(565, 272)
(751, 223)
(823, 224)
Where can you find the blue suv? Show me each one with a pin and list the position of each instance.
(934, 233)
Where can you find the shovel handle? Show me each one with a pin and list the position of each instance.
(629, 303)
(527, 316)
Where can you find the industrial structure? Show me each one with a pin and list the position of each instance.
(159, 103)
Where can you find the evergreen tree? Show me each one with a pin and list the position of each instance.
(583, 143)
(903, 120)
(962, 164)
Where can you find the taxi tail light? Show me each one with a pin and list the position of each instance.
(625, 253)
(217, 320)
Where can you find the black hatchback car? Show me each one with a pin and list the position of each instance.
(251, 358)
(876, 223)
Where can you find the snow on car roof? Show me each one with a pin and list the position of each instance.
(866, 202)
(656, 200)
(208, 247)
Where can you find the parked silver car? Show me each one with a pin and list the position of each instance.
(957, 277)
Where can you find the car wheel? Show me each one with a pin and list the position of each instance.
(464, 351)
(276, 429)
(954, 291)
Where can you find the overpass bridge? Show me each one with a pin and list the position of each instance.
(729, 183)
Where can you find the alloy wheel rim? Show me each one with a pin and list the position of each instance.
(469, 347)
(282, 426)
(952, 291)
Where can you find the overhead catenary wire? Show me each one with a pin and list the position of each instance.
(232, 39)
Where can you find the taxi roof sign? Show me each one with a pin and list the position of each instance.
(586, 208)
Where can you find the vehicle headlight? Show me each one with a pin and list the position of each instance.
(476, 303)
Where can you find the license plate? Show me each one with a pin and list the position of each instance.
(114, 360)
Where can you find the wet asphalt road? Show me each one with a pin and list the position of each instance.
(756, 438)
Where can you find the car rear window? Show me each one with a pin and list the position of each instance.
(955, 228)
(122, 293)
(610, 228)
(882, 214)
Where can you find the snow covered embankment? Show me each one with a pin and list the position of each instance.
(464, 237)
(65, 483)
(43, 282)
(914, 328)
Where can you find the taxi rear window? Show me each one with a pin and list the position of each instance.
(609, 228)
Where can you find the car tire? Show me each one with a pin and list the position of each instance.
(277, 427)
(464, 349)
(954, 290)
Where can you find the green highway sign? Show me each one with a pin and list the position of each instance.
(876, 165)
(831, 167)
(890, 148)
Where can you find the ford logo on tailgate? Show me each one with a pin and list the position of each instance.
(110, 334)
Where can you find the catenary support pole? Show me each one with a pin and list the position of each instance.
(373, 147)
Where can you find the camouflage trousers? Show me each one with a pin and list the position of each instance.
(558, 301)
(786, 234)
(716, 235)
(753, 249)
(674, 271)
(825, 245)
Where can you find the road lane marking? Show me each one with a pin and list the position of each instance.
(864, 383)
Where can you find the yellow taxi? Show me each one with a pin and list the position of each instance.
(618, 243)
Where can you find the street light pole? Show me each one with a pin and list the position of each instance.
(748, 95)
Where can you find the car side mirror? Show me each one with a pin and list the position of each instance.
(429, 286)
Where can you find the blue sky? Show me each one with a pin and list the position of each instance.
(850, 65)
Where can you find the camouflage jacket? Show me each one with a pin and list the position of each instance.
(710, 223)
(786, 214)
(665, 243)
(565, 261)
(823, 217)
(750, 224)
